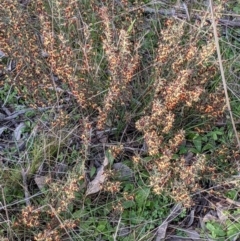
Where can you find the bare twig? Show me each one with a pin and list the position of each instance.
(6, 210)
(20, 112)
(187, 11)
(26, 192)
(172, 12)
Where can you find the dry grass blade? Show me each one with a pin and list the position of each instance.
(222, 72)
(25, 186)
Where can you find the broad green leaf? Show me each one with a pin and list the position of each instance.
(102, 226)
(194, 150)
(214, 135)
(210, 227)
(183, 150)
(205, 138)
(220, 232)
(219, 133)
(192, 135)
(216, 229)
(232, 231)
(207, 147)
(110, 157)
(198, 144)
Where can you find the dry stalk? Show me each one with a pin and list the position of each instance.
(222, 72)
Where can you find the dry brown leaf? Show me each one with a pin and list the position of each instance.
(18, 131)
(161, 231)
(193, 234)
(233, 202)
(96, 184)
(191, 218)
(2, 129)
(220, 212)
(208, 217)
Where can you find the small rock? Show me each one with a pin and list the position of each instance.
(40, 181)
(124, 172)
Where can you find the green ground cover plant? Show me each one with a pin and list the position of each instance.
(114, 122)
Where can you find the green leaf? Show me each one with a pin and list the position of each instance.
(214, 135)
(77, 214)
(128, 187)
(133, 217)
(92, 171)
(147, 159)
(210, 227)
(175, 156)
(198, 144)
(110, 157)
(236, 9)
(219, 133)
(192, 135)
(183, 150)
(128, 204)
(205, 138)
(194, 150)
(232, 194)
(233, 230)
(220, 232)
(216, 229)
(207, 147)
(131, 26)
(142, 196)
(102, 226)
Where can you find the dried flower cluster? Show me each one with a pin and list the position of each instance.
(116, 150)
(19, 43)
(70, 66)
(65, 194)
(60, 119)
(86, 132)
(48, 235)
(30, 217)
(179, 84)
(123, 59)
(112, 187)
(55, 233)
(46, 61)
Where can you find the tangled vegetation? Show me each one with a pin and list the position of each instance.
(111, 113)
